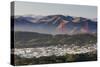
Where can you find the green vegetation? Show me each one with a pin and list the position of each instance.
(32, 39)
(56, 59)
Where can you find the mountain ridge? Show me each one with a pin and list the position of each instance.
(55, 24)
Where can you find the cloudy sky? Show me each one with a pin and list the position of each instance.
(31, 8)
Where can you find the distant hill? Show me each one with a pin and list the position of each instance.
(32, 39)
(55, 24)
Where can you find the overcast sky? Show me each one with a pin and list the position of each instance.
(31, 8)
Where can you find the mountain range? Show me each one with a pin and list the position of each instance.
(55, 24)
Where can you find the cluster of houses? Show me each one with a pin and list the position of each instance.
(53, 50)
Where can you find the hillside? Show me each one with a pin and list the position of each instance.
(32, 39)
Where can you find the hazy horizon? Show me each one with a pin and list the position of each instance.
(44, 9)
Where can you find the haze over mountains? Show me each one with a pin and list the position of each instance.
(55, 24)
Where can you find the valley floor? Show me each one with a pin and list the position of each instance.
(53, 50)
